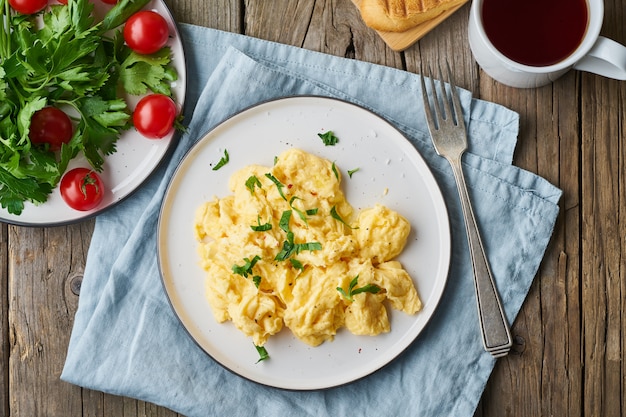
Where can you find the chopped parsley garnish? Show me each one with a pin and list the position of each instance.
(261, 227)
(278, 184)
(328, 138)
(302, 214)
(284, 221)
(352, 171)
(263, 355)
(334, 168)
(353, 290)
(296, 264)
(289, 246)
(246, 269)
(336, 216)
(223, 161)
(252, 182)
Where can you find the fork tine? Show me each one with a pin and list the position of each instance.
(456, 102)
(429, 115)
(439, 114)
(446, 101)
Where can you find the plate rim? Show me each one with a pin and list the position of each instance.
(445, 258)
(165, 156)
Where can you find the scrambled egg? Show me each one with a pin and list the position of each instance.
(287, 249)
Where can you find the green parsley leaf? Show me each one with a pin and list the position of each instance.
(352, 290)
(328, 138)
(141, 73)
(300, 213)
(296, 264)
(223, 161)
(334, 168)
(121, 12)
(263, 355)
(310, 246)
(352, 171)
(261, 227)
(287, 250)
(279, 185)
(284, 221)
(251, 182)
(246, 269)
(289, 247)
(336, 216)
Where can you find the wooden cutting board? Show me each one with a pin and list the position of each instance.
(399, 41)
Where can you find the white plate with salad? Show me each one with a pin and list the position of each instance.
(135, 156)
(390, 172)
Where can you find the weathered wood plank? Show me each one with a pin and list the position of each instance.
(4, 320)
(40, 314)
(602, 243)
(446, 43)
(218, 14)
(547, 329)
(558, 279)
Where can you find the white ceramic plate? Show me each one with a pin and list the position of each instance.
(391, 172)
(125, 170)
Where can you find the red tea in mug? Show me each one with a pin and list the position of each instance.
(535, 32)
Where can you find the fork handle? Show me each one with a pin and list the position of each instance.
(494, 327)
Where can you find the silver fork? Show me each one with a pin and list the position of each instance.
(448, 133)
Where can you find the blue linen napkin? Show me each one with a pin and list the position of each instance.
(127, 341)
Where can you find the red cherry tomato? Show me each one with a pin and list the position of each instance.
(109, 1)
(62, 1)
(50, 125)
(28, 6)
(82, 189)
(146, 32)
(154, 116)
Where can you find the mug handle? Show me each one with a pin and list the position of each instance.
(606, 58)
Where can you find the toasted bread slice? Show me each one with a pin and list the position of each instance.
(402, 15)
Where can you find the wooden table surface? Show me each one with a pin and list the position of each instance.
(570, 336)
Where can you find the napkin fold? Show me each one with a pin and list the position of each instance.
(126, 339)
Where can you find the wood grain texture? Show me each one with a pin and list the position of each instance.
(570, 336)
(602, 233)
(4, 320)
(40, 313)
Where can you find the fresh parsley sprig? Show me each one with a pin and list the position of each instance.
(328, 138)
(263, 355)
(69, 61)
(336, 216)
(246, 269)
(279, 185)
(223, 161)
(353, 290)
(289, 247)
(261, 227)
(253, 181)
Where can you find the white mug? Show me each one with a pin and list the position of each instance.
(594, 54)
